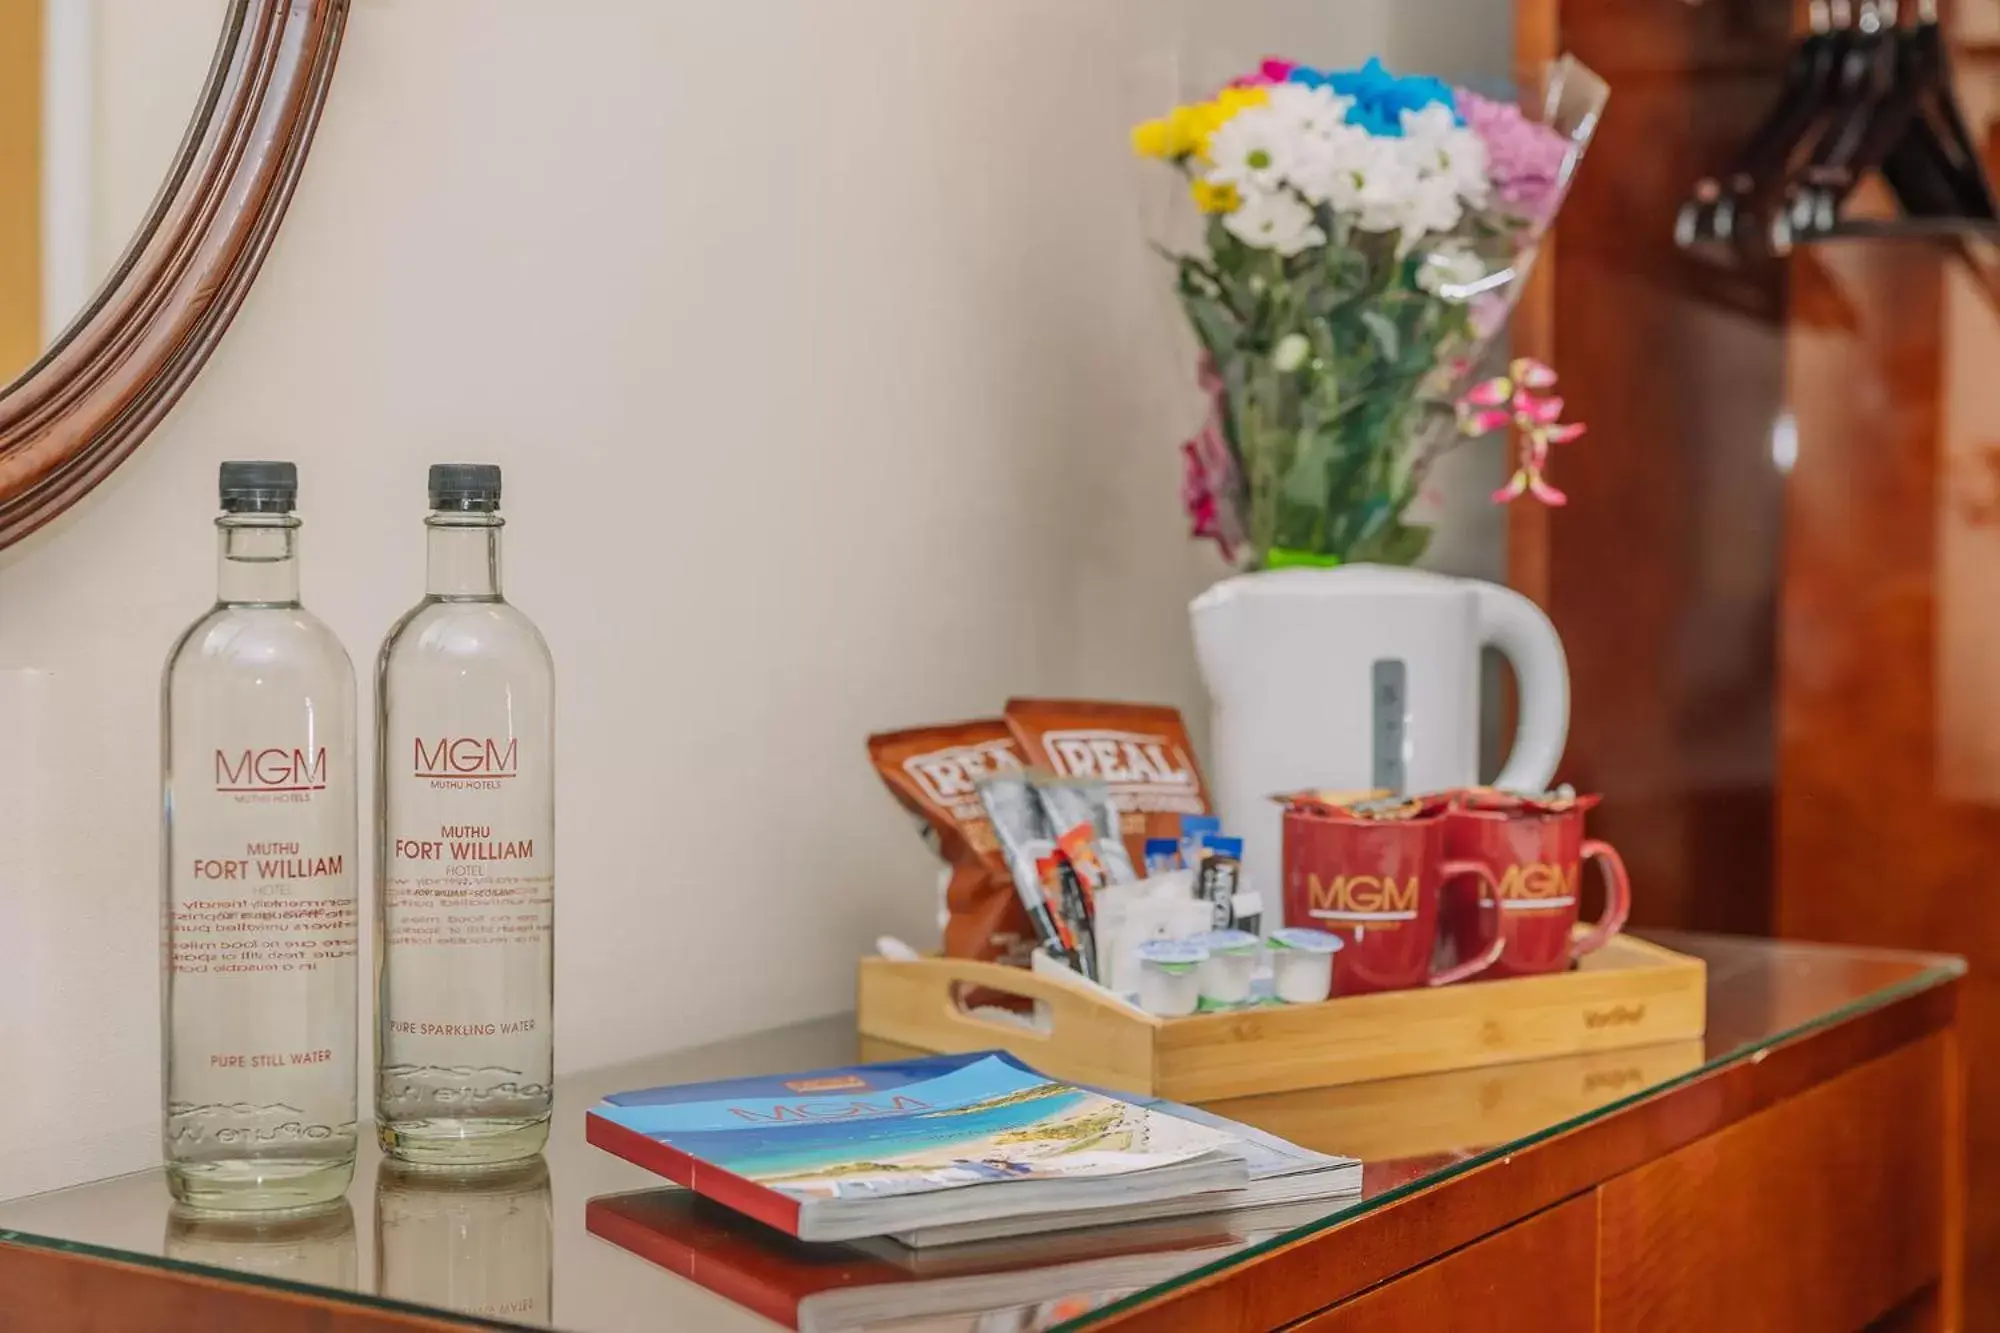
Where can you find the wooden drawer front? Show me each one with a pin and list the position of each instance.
(1822, 1213)
(45, 1291)
(1537, 1276)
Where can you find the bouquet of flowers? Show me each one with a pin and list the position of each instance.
(1365, 237)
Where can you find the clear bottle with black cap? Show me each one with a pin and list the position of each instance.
(465, 858)
(261, 910)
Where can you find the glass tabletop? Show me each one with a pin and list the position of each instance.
(510, 1248)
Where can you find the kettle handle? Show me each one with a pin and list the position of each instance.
(1516, 626)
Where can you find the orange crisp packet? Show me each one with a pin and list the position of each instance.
(934, 772)
(1140, 751)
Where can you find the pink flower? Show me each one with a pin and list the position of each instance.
(1531, 373)
(1271, 71)
(1525, 158)
(1209, 481)
(1527, 481)
(1518, 398)
(1541, 411)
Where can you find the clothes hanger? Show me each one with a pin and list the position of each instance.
(1903, 120)
(1717, 204)
(1863, 90)
(1963, 162)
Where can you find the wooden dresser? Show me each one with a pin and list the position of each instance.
(1800, 1169)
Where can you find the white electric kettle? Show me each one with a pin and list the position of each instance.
(1359, 677)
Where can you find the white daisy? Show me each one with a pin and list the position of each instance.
(1330, 167)
(1388, 184)
(1316, 111)
(1442, 147)
(1277, 220)
(1429, 122)
(1431, 206)
(1253, 150)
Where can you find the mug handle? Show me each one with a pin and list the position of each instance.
(1489, 900)
(1617, 899)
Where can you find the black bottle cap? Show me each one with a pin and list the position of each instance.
(259, 488)
(465, 488)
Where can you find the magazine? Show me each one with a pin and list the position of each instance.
(902, 1147)
(1280, 1173)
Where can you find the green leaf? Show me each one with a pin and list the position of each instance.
(1384, 331)
(1213, 326)
(1396, 544)
(1305, 480)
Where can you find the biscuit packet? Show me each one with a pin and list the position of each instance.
(1368, 807)
(1141, 753)
(935, 773)
(1322, 801)
(1563, 800)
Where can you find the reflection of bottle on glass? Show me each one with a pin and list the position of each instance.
(472, 1242)
(315, 1247)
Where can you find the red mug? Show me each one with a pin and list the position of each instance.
(1377, 883)
(1537, 855)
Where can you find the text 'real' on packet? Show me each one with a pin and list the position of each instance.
(935, 773)
(1141, 752)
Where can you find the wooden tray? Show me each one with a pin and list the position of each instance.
(1629, 993)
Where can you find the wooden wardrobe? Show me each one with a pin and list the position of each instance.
(1778, 578)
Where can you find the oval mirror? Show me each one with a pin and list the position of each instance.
(134, 213)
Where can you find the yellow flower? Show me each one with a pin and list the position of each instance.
(1154, 138)
(1233, 100)
(1221, 198)
(1212, 116)
(1187, 129)
(1169, 139)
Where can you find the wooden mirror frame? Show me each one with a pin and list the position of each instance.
(126, 358)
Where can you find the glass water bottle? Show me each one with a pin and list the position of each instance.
(465, 862)
(260, 914)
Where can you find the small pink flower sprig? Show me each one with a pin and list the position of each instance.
(1522, 398)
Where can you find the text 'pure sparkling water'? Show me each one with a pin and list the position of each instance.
(260, 913)
(465, 863)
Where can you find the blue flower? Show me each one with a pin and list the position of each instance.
(1380, 98)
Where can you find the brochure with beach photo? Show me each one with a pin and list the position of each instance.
(874, 1150)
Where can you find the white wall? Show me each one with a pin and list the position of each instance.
(119, 80)
(835, 389)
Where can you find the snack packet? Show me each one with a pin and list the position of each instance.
(1141, 752)
(1025, 841)
(1068, 894)
(1219, 883)
(1560, 801)
(1193, 829)
(1080, 848)
(1368, 806)
(1069, 802)
(1327, 801)
(934, 772)
(1049, 869)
